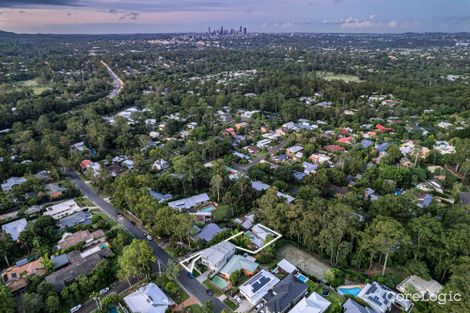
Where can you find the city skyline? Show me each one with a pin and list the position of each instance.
(147, 16)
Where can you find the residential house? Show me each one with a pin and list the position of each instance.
(252, 149)
(382, 299)
(320, 158)
(295, 152)
(79, 218)
(241, 125)
(245, 264)
(259, 185)
(15, 228)
(258, 235)
(148, 299)
(425, 288)
(94, 166)
(369, 194)
(365, 143)
(284, 295)
(258, 286)
(12, 182)
(286, 266)
(246, 221)
(264, 143)
(83, 236)
(382, 147)
(309, 168)
(215, 257)
(160, 165)
(351, 306)
(62, 209)
(383, 129)
(16, 277)
(209, 231)
(444, 147)
(314, 303)
(80, 263)
(79, 146)
(333, 148)
(160, 197)
(54, 191)
(189, 203)
(424, 200)
(345, 140)
(298, 175)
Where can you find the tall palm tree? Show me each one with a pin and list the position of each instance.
(96, 296)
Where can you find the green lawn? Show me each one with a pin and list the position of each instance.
(34, 85)
(230, 304)
(208, 284)
(329, 76)
(220, 213)
(195, 308)
(333, 297)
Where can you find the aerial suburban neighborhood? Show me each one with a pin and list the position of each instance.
(232, 170)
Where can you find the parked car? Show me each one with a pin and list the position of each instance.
(210, 292)
(75, 308)
(258, 307)
(190, 275)
(104, 291)
(149, 237)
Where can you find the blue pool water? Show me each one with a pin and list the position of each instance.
(302, 278)
(113, 310)
(354, 291)
(207, 209)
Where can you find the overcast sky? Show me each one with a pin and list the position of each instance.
(143, 16)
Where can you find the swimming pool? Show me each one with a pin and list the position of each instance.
(354, 291)
(113, 310)
(207, 209)
(302, 278)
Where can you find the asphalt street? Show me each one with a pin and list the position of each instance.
(192, 286)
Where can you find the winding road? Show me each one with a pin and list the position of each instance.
(191, 286)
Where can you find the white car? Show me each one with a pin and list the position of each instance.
(149, 237)
(103, 291)
(75, 308)
(258, 307)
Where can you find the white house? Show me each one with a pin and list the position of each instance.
(264, 143)
(63, 209)
(160, 165)
(148, 299)
(311, 304)
(218, 255)
(381, 298)
(258, 286)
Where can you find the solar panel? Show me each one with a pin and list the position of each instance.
(260, 283)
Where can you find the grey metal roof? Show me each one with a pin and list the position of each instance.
(285, 293)
(209, 231)
(75, 219)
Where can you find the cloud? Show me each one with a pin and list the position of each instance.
(130, 16)
(392, 23)
(355, 23)
(19, 3)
